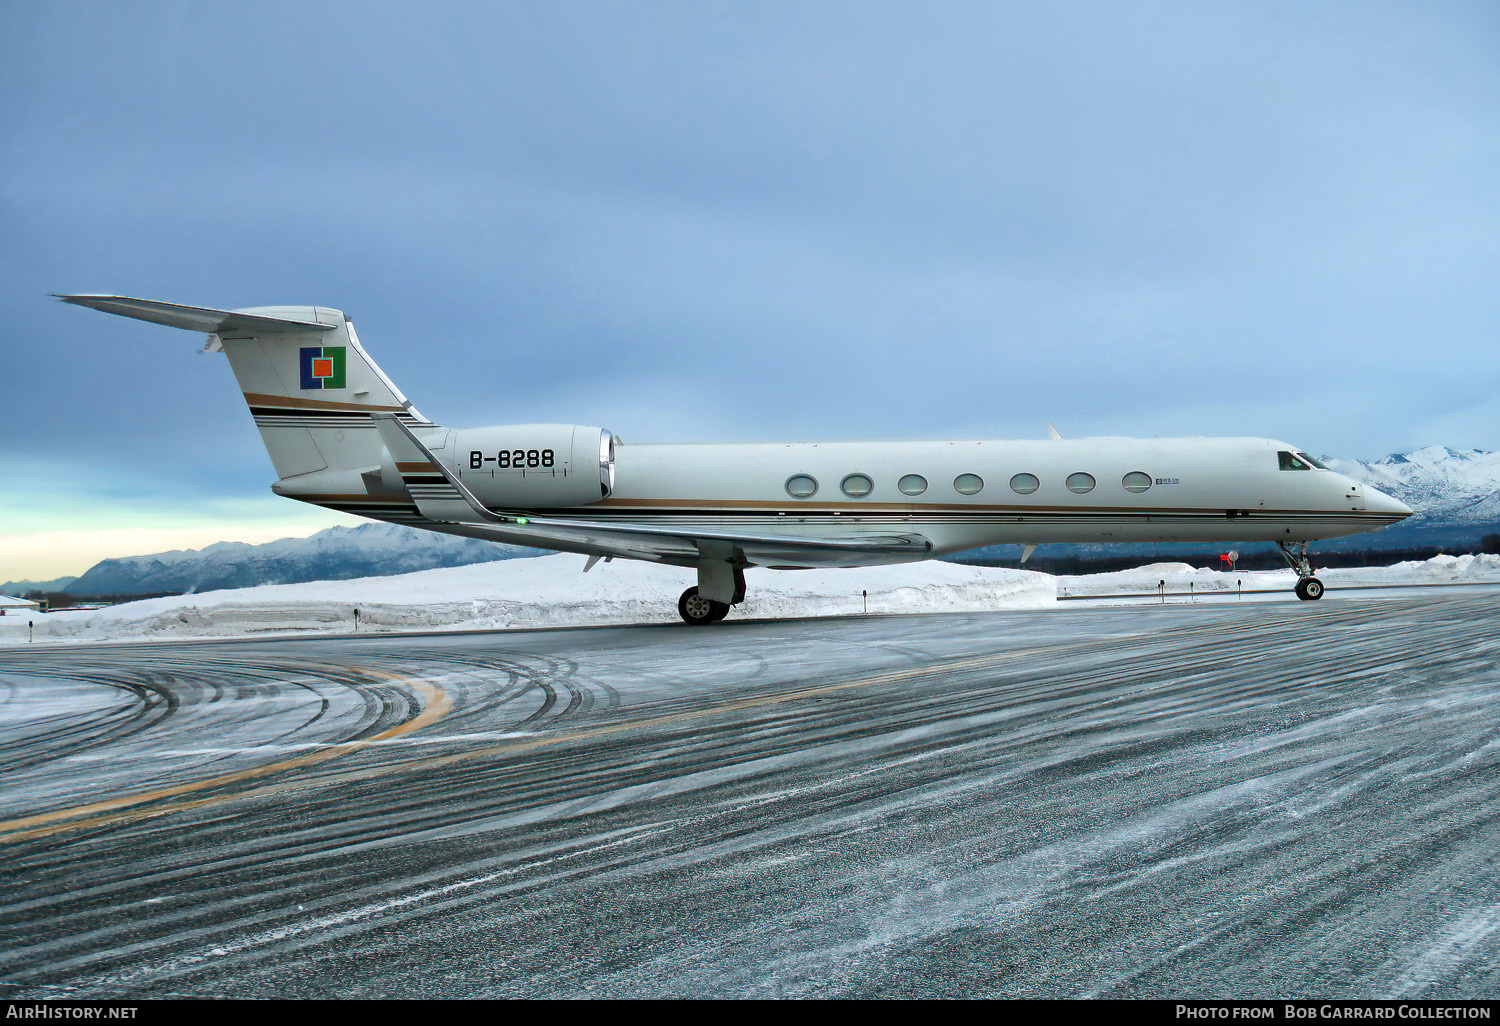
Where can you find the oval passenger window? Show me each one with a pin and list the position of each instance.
(1136, 481)
(912, 484)
(968, 484)
(800, 486)
(856, 486)
(1080, 483)
(1024, 484)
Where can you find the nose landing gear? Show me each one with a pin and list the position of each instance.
(1308, 586)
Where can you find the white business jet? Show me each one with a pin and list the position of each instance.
(341, 435)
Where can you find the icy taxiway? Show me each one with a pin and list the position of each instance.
(1260, 800)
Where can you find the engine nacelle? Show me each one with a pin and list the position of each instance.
(532, 466)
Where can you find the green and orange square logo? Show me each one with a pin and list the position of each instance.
(322, 367)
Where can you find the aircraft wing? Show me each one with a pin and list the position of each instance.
(441, 496)
(689, 543)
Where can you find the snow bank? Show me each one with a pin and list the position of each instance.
(1181, 577)
(551, 591)
(1467, 569)
(546, 591)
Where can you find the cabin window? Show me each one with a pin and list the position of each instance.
(800, 486)
(1024, 484)
(1136, 481)
(1080, 483)
(857, 486)
(968, 484)
(912, 484)
(1290, 462)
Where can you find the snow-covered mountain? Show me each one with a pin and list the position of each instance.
(339, 553)
(1446, 488)
(22, 587)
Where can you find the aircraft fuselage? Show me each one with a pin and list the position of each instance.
(340, 434)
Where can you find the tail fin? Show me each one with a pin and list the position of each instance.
(309, 384)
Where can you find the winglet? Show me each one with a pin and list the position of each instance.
(1053, 432)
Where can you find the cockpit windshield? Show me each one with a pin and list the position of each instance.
(1317, 463)
(1292, 461)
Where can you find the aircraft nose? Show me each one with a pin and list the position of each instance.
(1377, 501)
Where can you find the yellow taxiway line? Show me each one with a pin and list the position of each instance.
(121, 810)
(436, 705)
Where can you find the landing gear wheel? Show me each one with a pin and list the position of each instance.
(1310, 588)
(698, 611)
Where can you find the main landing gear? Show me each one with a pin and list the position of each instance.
(718, 580)
(1308, 586)
(698, 611)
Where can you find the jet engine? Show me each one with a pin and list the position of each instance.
(531, 466)
(521, 466)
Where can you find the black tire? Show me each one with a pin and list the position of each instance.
(697, 611)
(1310, 588)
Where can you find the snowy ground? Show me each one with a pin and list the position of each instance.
(551, 591)
(1182, 579)
(547, 591)
(1277, 801)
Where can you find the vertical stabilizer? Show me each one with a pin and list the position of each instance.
(310, 385)
(312, 393)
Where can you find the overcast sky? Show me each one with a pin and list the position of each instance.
(739, 221)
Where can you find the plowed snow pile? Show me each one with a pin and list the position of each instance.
(551, 591)
(547, 591)
(1142, 580)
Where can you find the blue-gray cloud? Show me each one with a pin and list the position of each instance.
(760, 220)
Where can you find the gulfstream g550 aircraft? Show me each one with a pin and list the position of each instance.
(341, 435)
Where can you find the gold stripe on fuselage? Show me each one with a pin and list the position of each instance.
(295, 402)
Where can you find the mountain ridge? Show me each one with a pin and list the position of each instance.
(1446, 488)
(338, 553)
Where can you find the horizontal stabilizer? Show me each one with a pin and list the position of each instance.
(195, 318)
